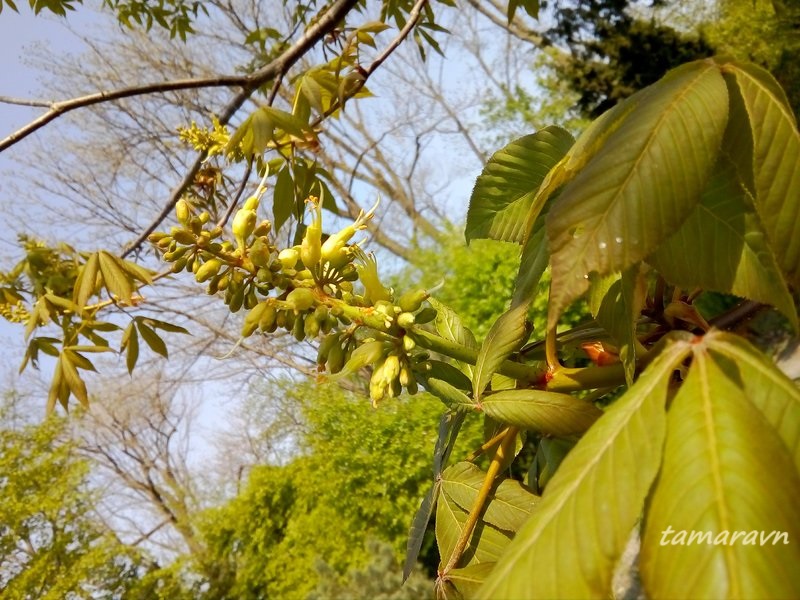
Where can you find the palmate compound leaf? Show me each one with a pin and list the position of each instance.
(641, 184)
(569, 546)
(721, 247)
(728, 486)
(775, 158)
(505, 189)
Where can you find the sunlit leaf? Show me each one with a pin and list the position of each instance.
(508, 505)
(153, 340)
(85, 283)
(569, 546)
(637, 191)
(506, 336)
(73, 380)
(544, 412)
(725, 472)
(506, 187)
(469, 579)
(766, 386)
(486, 543)
(449, 394)
(117, 280)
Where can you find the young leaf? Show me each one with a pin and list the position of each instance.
(618, 312)
(152, 339)
(84, 284)
(595, 498)
(73, 379)
(775, 160)
(55, 388)
(544, 412)
(638, 190)
(283, 202)
(724, 472)
(418, 528)
(508, 506)
(130, 342)
(449, 326)
(506, 336)
(449, 394)
(117, 280)
(505, 189)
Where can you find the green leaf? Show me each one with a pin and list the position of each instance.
(506, 336)
(508, 505)
(136, 271)
(418, 528)
(446, 372)
(724, 470)
(286, 121)
(535, 257)
(85, 283)
(73, 379)
(643, 182)
(722, 247)
(117, 280)
(618, 313)
(130, 342)
(550, 413)
(486, 544)
(449, 426)
(449, 325)
(449, 394)
(775, 161)
(505, 189)
(79, 360)
(766, 386)
(55, 388)
(165, 326)
(152, 339)
(569, 546)
(469, 579)
(283, 202)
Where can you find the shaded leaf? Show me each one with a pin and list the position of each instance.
(721, 247)
(505, 189)
(643, 183)
(130, 342)
(469, 579)
(73, 379)
(595, 498)
(449, 325)
(618, 313)
(449, 426)
(283, 202)
(775, 160)
(724, 470)
(545, 412)
(419, 526)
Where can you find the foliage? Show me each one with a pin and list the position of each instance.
(50, 544)
(381, 578)
(687, 186)
(360, 478)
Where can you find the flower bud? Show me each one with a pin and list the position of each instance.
(183, 212)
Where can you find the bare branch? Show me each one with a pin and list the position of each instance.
(26, 102)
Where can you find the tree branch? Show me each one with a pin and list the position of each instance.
(276, 68)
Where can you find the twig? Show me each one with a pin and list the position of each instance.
(26, 102)
(738, 313)
(324, 25)
(235, 201)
